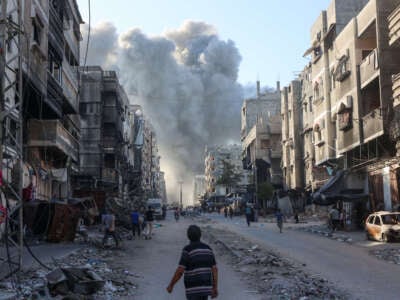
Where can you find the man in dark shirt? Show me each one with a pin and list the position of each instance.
(149, 221)
(198, 265)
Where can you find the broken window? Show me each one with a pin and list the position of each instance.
(344, 119)
(342, 69)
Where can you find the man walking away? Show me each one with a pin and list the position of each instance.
(230, 212)
(248, 214)
(109, 228)
(279, 219)
(334, 218)
(149, 221)
(198, 265)
(135, 223)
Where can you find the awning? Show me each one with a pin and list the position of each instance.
(334, 190)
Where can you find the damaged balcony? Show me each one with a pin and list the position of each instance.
(396, 89)
(51, 133)
(369, 68)
(394, 26)
(372, 124)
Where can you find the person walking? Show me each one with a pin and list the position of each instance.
(334, 218)
(279, 219)
(149, 221)
(135, 223)
(109, 228)
(199, 268)
(230, 212)
(248, 213)
(226, 212)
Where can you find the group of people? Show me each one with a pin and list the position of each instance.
(142, 223)
(228, 211)
(249, 213)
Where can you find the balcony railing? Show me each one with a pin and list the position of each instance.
(372, 124)
(51, 133)
(394, 26)
(396, 89)
(369, 68)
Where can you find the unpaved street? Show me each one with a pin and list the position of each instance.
(350, 267)
(155, 261)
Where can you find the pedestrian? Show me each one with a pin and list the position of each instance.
(226, 212)
(230, 212)
(279, 219)
(109, 228)
(199, 268)
(334, 218)
(135, 223)
(296, 217)
(81, 228)
(149, 221)
(164, 211)
(248, 213)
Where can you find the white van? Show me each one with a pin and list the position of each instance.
(156, 204)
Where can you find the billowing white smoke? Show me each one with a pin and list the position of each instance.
(186, 82)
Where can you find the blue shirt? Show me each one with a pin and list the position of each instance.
(135, 217)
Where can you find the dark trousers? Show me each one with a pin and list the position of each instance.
(248, 218)
(136, 229)
(107, 233)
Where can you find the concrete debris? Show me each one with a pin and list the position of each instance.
(84, 274)
(269, 273)
(325, 231)
(391, 255)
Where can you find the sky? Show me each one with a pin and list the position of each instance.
(271, 35)
(191, 63)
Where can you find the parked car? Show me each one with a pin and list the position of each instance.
(383, 226)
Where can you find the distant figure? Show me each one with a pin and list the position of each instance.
(279, 219)
(226, 212)
(334, 218)
(230, 212)
(176, 214)
(248, 213)
(109, 228)
(81, 228)
(135, 223)
(296, 217)
(164, 211)
(149, 221)
(198, 265)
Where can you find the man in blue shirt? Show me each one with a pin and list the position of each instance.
(135, 223)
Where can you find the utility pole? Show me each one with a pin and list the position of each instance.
(180, 193)
(11, 122)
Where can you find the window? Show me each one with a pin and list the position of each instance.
(377, 221)
(265, 144)
(310, 101)
(344, 120)
(342, 69)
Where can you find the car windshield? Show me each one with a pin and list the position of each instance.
(391, 219)
(155, 205)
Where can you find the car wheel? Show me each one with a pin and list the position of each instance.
(384, 238)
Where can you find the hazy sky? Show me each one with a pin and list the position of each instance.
(271, 35)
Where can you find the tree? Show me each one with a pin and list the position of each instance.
(229, 176)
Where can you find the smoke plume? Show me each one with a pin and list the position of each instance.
(185, 80)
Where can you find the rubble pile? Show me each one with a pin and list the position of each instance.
(267, 272)
(391, 255)
(84, 274)
(323, 230)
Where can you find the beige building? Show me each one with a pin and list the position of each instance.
(350, 103)
(292, 142)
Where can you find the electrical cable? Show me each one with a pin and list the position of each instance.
(88, 37)
(34, 256)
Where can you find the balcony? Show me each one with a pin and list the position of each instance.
(394, 26)
(396, 89)
(56, 36)
(70, 89)
(372, 125)
(109, 175)
(51, 133)
(369, 68)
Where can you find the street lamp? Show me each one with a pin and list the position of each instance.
(180, 193)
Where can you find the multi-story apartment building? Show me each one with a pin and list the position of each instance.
(214, 166)
(349, 93)
(50, 60)
(263, 106)
(292, 141)
(104, 159)
(199, 188)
